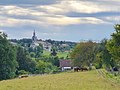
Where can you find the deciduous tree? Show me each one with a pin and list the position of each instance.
(83, 54)
(113, 45)
(8, 61)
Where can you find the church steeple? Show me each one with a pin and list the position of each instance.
(34, 33)
(34, 38)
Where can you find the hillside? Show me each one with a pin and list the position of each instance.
(90, 80)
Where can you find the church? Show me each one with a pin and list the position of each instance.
(34, 37)
(35, 42)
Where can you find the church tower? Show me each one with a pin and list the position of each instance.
(34, 37)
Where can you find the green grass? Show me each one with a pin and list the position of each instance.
(62, 54)
(46, 52)
(59, 54)
(64, 81)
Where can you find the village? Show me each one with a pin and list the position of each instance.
(61, 48)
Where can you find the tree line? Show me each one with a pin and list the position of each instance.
(105, 54)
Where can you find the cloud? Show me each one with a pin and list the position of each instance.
(19, 2)
(20, 11)
(70, 20)
(59, 20)
(112, 18)
(62, 20)
(12, 22)
(82, 6)
(14, 15)
(55, 13)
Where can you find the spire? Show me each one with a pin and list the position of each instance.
(34, 33)
(34, 38)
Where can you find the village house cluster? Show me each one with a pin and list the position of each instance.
(35, 42)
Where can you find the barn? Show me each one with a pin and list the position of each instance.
(65, 65)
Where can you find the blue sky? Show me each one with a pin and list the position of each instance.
(69, 20)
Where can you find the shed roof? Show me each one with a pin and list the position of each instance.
(65, 63)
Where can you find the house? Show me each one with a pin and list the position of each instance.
(13, 43)
(46, 46)
(65, 65)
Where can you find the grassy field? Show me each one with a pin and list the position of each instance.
(46, 52)
(90, 80)
(62, 54)
(59, 54)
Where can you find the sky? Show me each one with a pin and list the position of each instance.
(63, 20)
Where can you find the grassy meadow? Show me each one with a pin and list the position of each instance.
(62, 54)
(59, 54)
(90, 80)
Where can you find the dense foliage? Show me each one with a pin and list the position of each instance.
(25, 62)
(113, 45)
(102, 56)
(8, 61)
(83, 54)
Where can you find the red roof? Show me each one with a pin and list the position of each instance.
(65, 63)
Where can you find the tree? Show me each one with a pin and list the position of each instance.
(21, 57)
(54, 60)
(32, 54)
(30, 64)
(103, 57)
(53, 53)
(83, 54)
(25, 62)
(38, 50)
(8, 61)
(113, 45)
(44, 67)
